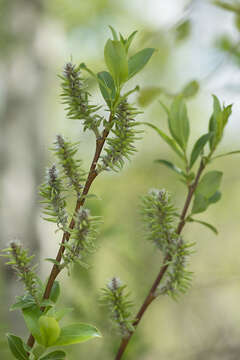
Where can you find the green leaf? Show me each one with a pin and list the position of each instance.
(171, 166)
(31, 316)
(130, 39)
(114, 33)
(226, 154)
(49, 329)
(15, 344)
(200, 204)
(148, 94)
(198, 148)
(209, 226)
(59, 314)
(178, 122)
(225, 5)
(137, 62)
(76, 333)
(116, 61)
(171, 142)
(190, 89)
(55, 291)
(55, 355)
(209, 184)
(213, 122)
(38, 351)
(23, 302)
(108, 91)
(215, 198)
(53, 261)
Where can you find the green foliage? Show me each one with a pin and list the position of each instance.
(171, 142)
(55, 355)
(178, 122)
(49, 329)
(183, 30)
(137, 62)
(116, 58)
(114, 296)
(16, 346)
(116, 61)
(190, 89)
(207, 191)
(233, 6)
(107, 87)
(217, 122)
(76, 333)
(198, 148)
(171, 166)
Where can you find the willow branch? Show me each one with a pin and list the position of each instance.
(80, 202)
(151, 295)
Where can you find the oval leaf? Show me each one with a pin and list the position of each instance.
(137, 62)
(200, 204)
(209, 184)
(198, 147)
(76, 333)
(50, 330)
(16, 346)
(55, 292)
(116, 60)
(107, 86)
(148, 94)
(178, 122)
(190, 89)
(31, 316)
(55, 355)
(215, 198)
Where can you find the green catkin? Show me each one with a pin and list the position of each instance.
(159, 216)
(121, 145)
(114, 296)
(20, 261)
(82, 239)
(53, 198)
(65, 151)
(76, 98)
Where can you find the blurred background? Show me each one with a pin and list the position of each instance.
(196, 40)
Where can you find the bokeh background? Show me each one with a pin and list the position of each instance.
(196, 41)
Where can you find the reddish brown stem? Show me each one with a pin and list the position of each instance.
(151, 295)
(91, 176)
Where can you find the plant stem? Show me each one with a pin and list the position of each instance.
(151, 295)
(66, 235)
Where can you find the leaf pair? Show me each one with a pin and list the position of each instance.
(121, 68)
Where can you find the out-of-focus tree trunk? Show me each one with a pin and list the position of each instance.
(21, 103)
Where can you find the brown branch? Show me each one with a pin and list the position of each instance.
(66, 235)
(151, 295)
